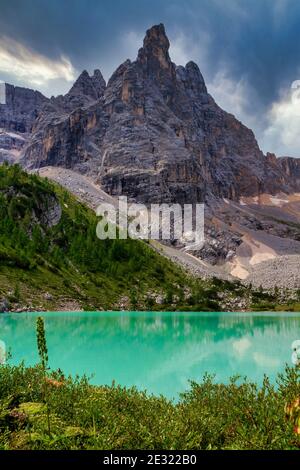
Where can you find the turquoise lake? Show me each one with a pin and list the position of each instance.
(159, 352)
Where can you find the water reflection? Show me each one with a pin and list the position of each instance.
(157, 352)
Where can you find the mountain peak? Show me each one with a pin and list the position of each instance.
(157, 36)
(156, 46)
(98, 76)
(192, 78)
(89, 86)
(80, 85)
(83, 77)
(99, 82)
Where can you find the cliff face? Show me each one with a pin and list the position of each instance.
(17, 117)
(155, 134)
(69, 129)
(167, 139)
(21, 109)
(291, 168)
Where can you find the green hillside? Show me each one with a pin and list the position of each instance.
(50, 257)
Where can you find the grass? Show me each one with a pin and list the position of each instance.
(208, 416)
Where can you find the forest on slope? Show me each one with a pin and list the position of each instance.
(51, 259)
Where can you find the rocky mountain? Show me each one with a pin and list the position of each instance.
(291, 167)
(155, 134)
(21, 109)
(65, 132)
(17, 117)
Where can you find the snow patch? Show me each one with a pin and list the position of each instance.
(278, 202)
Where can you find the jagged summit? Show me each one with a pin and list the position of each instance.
(157, 33)
(91, 86)
(98, 80)
(156, 63)
(156, 47)
(155, 134)
(191, 78)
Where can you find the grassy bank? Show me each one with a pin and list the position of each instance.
(82, 416)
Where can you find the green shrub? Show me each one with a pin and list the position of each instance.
(239, 415)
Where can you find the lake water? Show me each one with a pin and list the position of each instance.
(158, 352)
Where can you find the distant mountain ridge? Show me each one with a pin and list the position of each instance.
(153, 133)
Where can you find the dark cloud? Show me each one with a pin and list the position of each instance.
(251, 42)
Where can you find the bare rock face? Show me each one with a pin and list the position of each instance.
(86, 90)
(70, 128)
(21, 109)
(167, 139)
(17, 117)
(155, 134)
(291, 167)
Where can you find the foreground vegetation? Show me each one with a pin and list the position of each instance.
(42, 409)
(77, 415)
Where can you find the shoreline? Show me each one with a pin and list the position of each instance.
(156, 312)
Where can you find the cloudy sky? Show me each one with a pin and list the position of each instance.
(248, 51)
